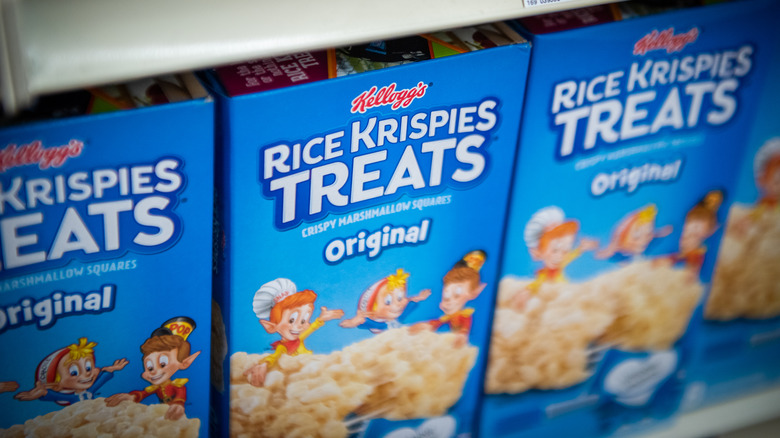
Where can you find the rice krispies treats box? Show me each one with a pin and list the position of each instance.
(629, 148)
(105, 303)
(360, 223)
(738, 347)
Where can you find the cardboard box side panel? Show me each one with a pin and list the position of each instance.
(220, 387)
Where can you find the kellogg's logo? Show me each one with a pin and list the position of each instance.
(666, 39)
(34, 153)
(387, 95)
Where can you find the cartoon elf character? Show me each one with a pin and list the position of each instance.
(69, 374)
(550, 239)
(766, 168)
(283, 310)
(701, 222)
(8, 386)
(461, 285)
(164, 353)
(383, 303)
(633, 235)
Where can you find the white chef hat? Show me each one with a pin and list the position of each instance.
(542, 220)
(271, 294)
(765, 153)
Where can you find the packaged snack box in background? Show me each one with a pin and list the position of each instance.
(629, 146)
(105, 230)
(738, 347)
(360, 221)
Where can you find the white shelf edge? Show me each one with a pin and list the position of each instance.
(69, 44)
(724, 417)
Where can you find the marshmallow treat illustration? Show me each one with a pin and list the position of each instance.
(283, 310)
(461, 285)
(69, 375)
(166, 352)
(633, 235)
(701, 222)
(382, 305)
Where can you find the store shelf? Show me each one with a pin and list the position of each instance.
(56, 45)
(725, 417)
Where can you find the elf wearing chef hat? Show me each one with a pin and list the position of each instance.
(633, 235)
(381, 305)
(69, 374)
(283, 310)
(166, 352)
(461, 285)
(550, 239)
(766, 169)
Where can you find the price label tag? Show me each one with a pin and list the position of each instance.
(535, 3)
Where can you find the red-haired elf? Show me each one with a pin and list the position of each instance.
(550, 239)
(166, 352)
(283, 310)
(461, 285)
(701, 222)
(633, 235)
(381, 305)
(69, 374)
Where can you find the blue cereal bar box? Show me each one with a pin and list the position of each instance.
(629, 147)
(362, 194)
(738, 350)
(106, 199)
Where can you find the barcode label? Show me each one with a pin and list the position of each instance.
(535, 3)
